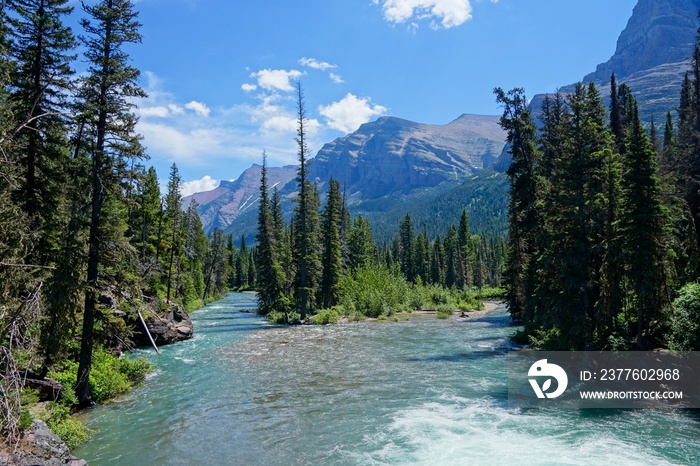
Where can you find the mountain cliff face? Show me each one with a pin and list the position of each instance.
(220, 207)
(659, 32)
(392, 155)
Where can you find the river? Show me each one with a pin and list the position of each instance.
(423, 391)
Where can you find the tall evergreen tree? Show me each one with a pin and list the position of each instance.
(522, 210)
(107, 97)
(43, 50)
(644, 223)
(332, 260)
(270, 276)
(407, 236)
(174, 215)
(306, 257)
(464, 246)
(361, 243)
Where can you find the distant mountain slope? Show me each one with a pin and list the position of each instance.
(651, 57)
(391, 155)
(220, 207)
(384, 163)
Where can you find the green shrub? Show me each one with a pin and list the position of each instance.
(326, 316)
(417, 298)
(375, 291)
(279, 318)
(470, 303)
(73, 432)
(491, 293)
(548, 340)
(109, 375)
(57, 418)
(684, 334)
(444, 311)
(439, 295)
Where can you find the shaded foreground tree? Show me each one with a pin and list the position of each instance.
(107, 94)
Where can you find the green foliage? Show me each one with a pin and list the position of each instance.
(547, 340)
(444, 311)
(374, 291)
(326, 316)
(684, 334)
(491, 293)
(110, 376)
(72, 431)
(279, 318)
(57, 418)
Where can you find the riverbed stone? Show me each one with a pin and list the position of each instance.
(40, 446)
(165, 325)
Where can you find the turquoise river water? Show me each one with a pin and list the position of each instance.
(423, 391)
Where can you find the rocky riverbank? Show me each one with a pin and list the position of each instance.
(39, 446)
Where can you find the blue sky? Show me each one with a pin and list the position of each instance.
(219, 73)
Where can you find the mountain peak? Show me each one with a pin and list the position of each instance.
(658, 32)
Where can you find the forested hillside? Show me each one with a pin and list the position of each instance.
(87, 239)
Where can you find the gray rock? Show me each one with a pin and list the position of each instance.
(39, 446)
(166, 326)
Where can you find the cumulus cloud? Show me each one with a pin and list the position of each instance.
(336, 78)
(446, 13)
(349, 113)
(206, 183)
(199, 108)
(315, 64)
(247, 87)
(159, 112)
(276, 80)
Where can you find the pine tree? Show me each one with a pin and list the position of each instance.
(332, 260)
(107, 94)
(407, 236)
(270, 276)
(464, 246)
(282, 236)
(242, 265)
(306, 257)
(616, 125)
(174, 216)
(437, 262)
(361, 244)
(522, 209)
(43, 50)
(644, 222)
(451, 257)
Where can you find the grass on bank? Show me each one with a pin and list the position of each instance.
(110, 377)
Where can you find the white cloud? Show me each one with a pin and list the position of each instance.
(349, 113)
(248, 87)
(449, 13)
(159, 112)
(280, 123)
(206, 183)
(276, 80)
(199, 108)
(315, 64)
(336, 78)
(175, 109)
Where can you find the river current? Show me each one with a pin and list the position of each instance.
(423, 391)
